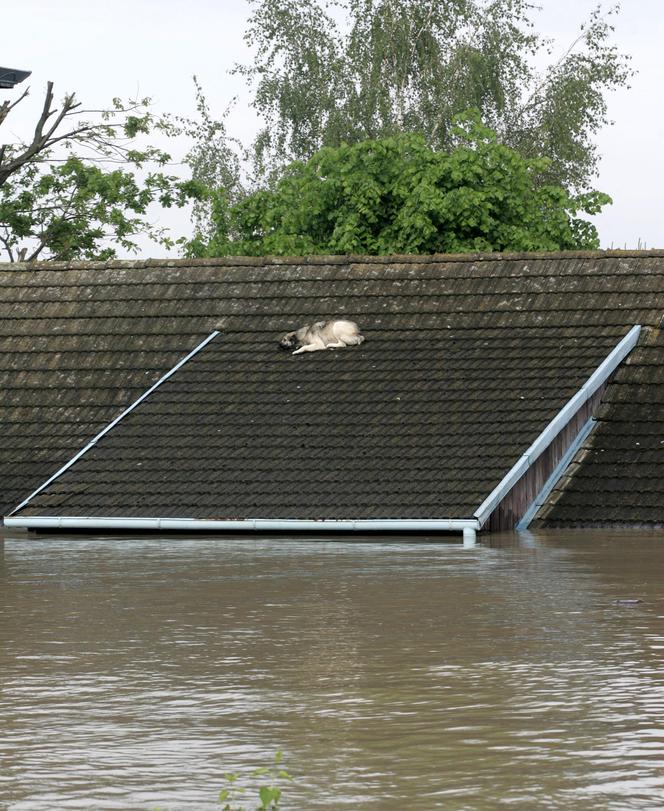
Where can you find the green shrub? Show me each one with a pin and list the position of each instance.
(397, 195)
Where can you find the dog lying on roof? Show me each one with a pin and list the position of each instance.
(333, 334)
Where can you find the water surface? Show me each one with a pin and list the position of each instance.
(395, 676)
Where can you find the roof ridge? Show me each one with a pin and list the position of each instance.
(337, 259)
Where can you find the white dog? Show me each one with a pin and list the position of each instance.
(322, 335)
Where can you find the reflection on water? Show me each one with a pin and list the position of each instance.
(394, 676)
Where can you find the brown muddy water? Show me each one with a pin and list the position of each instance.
(395, 676)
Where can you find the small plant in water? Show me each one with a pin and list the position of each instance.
(269, 792)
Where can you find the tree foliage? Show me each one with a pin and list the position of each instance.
(215, 158)
(397, 195)
(82, 186)
(328, 72)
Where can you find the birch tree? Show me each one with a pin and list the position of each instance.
(327, 72)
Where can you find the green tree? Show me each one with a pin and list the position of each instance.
(82, 186)
(328, 72)
(397, 195)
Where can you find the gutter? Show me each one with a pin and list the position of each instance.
(468, 526)
(597, 379)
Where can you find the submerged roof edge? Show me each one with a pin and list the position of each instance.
(596, 379)
(257, 524)
(112, 424)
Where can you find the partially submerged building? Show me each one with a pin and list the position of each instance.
(492, 391)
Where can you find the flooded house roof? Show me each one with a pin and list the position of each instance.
(467, 360)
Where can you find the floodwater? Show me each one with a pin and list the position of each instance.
(394, 676)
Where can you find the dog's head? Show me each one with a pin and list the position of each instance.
(288, 342)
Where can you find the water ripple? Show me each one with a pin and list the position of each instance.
(394, 676)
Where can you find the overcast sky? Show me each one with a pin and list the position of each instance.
(153, 47)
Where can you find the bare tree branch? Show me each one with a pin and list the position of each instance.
(98, 136)
(6, 107)
(35, 254)
(8, 248)
(58, 200)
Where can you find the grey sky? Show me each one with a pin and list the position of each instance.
(149, 47)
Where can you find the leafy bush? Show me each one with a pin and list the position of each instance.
(397, 195)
